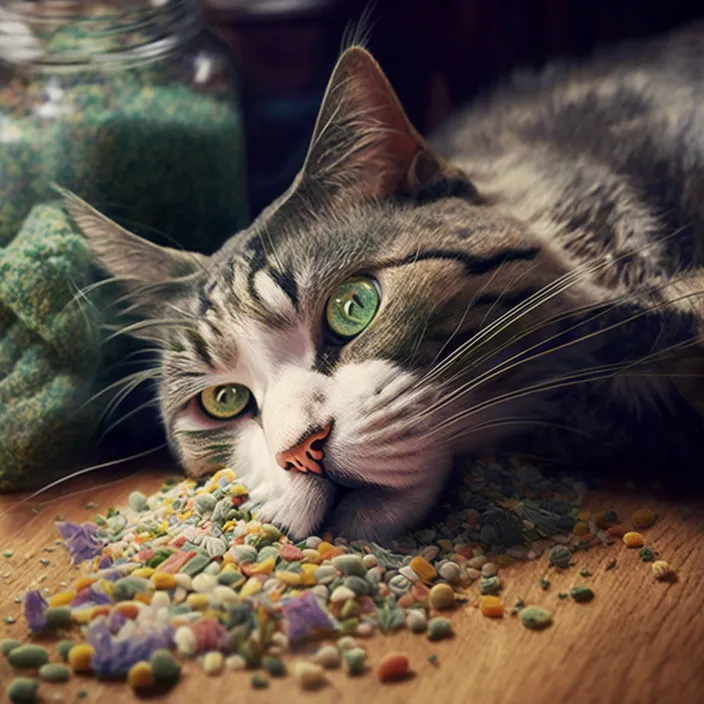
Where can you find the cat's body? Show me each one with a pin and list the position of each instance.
(400, 306)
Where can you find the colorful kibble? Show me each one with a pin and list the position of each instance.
(213, 662)
(535, 617)
(23, 690)
(274, 666)
(63, 648)
(416, 621)
(58, 617)
(27, 657)
(643, 518)
(80, 657)
(439, 629)
(140, 676)
(663, 571)
(394, 666)
(8, 645)
(355, 660)
(441, 597)
(560, 556)
(581, 594)
(633, 540)
(423, 568)
(164, 666)
(491, 606)
(309, 675)
(328, 657)
(54, 672)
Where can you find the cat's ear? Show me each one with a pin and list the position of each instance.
(147, 270)
(363, 144)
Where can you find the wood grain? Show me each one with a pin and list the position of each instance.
(639, 642)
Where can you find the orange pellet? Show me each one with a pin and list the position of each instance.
(393, 666)
(643, 518)
(580, 528)
(84, 582)
(423, 568)
(491, 606)
(128, 609)
(102, 610)
(616, 531)
(324, 548)
(633, 539)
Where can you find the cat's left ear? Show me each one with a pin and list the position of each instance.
(150, 273)
(363, 144)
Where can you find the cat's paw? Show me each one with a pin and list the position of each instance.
(300, 511)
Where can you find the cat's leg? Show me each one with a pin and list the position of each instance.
(380, 514)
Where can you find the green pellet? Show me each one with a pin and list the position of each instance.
(581, 594)
(563, 595)
(23, 690)
(354, 660)
(535, 618)
(196, 565)
(560, 556)
(646, 554)
(164, 666)
(489, 585)
(8, 645)
(58, 617)
(54, 672)
(544, 583)
(273, 666)
(9, 620)
(44, 561)
(28, 656)
(433, 659)
(258, 681)
(137, 501)
(8, 554)
(611, 564)
(63, 648)
(584, 572)
(439, 629)
(82, 693)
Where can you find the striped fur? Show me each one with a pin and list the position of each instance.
(539, 268)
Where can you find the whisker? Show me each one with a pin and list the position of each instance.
(80, 473)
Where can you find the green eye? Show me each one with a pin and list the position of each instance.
(224, 402)
(353, 306)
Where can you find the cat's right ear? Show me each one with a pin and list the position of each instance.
(364, 146)
(149, 272)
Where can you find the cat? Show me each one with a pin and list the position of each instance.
(530, 270)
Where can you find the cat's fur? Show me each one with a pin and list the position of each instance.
(538, 265)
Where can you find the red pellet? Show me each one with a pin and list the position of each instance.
(393, 666)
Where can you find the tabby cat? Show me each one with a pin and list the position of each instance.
(532, 271)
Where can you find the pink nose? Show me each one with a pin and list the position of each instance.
(307, 454)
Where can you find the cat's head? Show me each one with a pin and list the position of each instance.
(344, 348)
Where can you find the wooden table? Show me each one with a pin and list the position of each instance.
(639, 642)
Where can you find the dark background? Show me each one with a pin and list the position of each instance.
(438, 54)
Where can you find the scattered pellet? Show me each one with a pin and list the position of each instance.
(393, 666)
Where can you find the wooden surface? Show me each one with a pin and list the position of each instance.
(639, 642)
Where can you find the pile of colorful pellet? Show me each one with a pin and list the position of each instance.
(189, 569)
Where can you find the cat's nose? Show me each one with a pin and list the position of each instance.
(307, 455)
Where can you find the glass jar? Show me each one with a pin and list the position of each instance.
(131, 104)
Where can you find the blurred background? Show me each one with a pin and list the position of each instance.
(438, 54)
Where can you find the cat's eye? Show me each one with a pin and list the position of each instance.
(352, 307)
(225, 402)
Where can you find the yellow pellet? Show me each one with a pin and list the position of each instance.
(643, 518)
(423, 568)
(80, 657)
(198, 601)
(82, 616)
(580, 528)
(633, 539)
(325, 547)
(164, 580)
(251, 587)
(62, 598)
(263, 567)
(584, 516)
(238, 490)
(84, 582)
(144, 572)
(292, 579)
(491, 606)
(662, 570)
(140, 676)
(144, 597)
